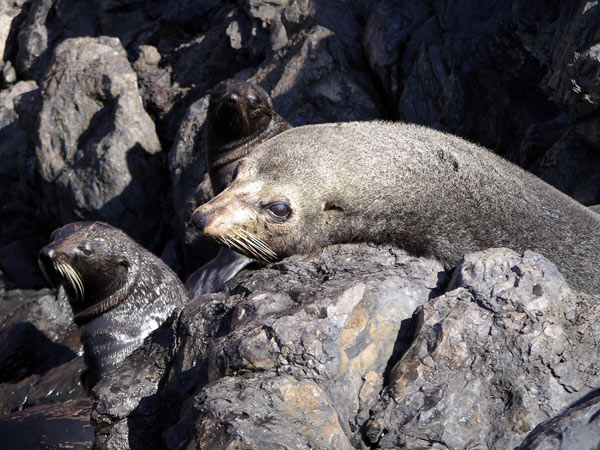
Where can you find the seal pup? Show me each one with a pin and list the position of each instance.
(118, 291)
(431, 193)
(240, 116)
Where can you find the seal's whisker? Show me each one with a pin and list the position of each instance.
(71, 276)
(249, 244)
(235, 245)
(259, 243)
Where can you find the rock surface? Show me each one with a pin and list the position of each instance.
(102, 109)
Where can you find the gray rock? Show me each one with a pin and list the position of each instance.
(504, 350)
(19, 233)
(498, 75)
(47, 23)
(96, 149)
(576, 428)
(304, 345)
(38, 353)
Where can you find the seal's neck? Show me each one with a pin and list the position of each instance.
(107, 303)
(233, 150)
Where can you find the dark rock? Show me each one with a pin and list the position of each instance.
(19, 234)
(96, 149)
(38, 353)
(47, 23)
(496, 75)
(64, 425)
(59, 384)
(128, 410)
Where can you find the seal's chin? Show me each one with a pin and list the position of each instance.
(248, 244)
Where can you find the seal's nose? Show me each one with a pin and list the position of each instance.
(200, 219)
(46, 254)
(232, 97)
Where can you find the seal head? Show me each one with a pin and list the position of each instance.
(240, 116)
(92, 271)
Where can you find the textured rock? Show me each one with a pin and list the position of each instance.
(19, 233)
(505, 349)
(94, 143)
(38, 350)
(577, 428)
(308, 339)
(496, 74)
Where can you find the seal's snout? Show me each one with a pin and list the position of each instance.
(200, 219)
(45, 258)
(46, 255)
(232, 97)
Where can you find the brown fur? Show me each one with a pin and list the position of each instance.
(431, 193)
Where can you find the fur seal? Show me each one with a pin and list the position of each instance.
(240, 116)
(119, 292)
(431, 193)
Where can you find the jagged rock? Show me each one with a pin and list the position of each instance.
(324, 325)
(64, 425)
(46, 24)
(191, 186)
(38, 350)
(96, 149)
(127, 411)
(57, 385)
(506, 348)
(576, 428)
(19, 233)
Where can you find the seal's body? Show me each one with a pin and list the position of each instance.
(119, 292)
(431, 193)
(240, 116)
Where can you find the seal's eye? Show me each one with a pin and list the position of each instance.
(253, 100)
(279, 210)
(85, 248)
(235, 172)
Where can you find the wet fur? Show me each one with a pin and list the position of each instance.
(126, 292)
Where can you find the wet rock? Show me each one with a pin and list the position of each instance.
(38, 354)
(128, 411)
(64, 425)
(506, 348)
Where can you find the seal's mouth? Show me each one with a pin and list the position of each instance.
(56, 271)
(248, 244)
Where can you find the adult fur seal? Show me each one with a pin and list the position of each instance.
(119, 292)
(431, 193)
(240, 116)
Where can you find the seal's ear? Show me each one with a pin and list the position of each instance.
(329, 206)
(124, 262)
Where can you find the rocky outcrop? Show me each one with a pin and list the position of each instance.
(102, 109)
(357, 347)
